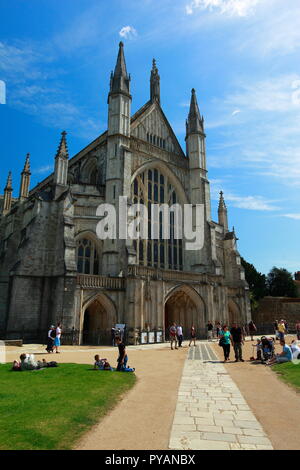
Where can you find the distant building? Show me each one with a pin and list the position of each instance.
(53, 267)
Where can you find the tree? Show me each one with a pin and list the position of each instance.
(256, 280)
(280, 283)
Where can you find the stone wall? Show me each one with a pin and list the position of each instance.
(277, 308)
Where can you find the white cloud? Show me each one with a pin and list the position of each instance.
(292, 216)
(236, 111)
(253, 203)
(279, 93)
(265, 139)
(19, 62)
(230, 7)
(128, 32)
(26, 68)
(43, 170)
(275, 32)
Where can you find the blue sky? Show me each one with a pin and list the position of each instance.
(241, 56)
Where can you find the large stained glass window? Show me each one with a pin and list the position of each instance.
(153, 187)
(87, 257)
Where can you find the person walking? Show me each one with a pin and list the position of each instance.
(50, 339)
(210, 328)
(252, 329)
(173, 335)
(193, 335)
(225, 340)
(281, 329)
(179, 335)
(238, 340)
(57, 337)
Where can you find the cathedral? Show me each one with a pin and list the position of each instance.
(53, 266)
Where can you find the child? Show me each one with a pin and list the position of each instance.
(16, 366)
(258, 347)
(101, 364)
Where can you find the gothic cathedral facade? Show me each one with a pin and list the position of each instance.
(53, 267)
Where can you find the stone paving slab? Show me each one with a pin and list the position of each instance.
(211, 413)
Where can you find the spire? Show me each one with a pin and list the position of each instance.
(120, 80)
(25, 178)
(8, 186)
(27, 165)
(7, 195)
(222, 212)
(62, 150)
(61, 164)
(222, 205)
(194, 123)
(154, 83)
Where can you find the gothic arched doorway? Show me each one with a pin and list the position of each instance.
(99, 317)
(184, 306)
(234, 314)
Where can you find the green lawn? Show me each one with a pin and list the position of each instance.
(289, 373)
(51, 408)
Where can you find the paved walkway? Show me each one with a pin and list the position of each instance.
(211, 412)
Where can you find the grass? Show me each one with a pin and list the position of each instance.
(51, 408)
(289, 373)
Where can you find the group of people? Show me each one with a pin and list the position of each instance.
(28, 362)
(53, 338)
(265, 347)
(176, 335)
(235, 337)
(103, 364)
(214, 330)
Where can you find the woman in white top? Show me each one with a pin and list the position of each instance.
(57, 337)
(295, 349)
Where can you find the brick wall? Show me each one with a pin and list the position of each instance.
(277, 308)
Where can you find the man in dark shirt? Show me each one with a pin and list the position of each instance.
(210, 328)
(238, 341)
(122, 359)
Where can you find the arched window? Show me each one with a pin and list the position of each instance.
(94, 177)
(153, 187)
(88, 261)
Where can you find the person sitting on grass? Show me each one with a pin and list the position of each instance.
(285, 356)
(101, 364)
(295, 349)
(28, 362)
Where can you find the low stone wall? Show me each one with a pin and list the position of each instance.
(13, 342)
(277, 308)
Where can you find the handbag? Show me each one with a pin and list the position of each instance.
(222, 341)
